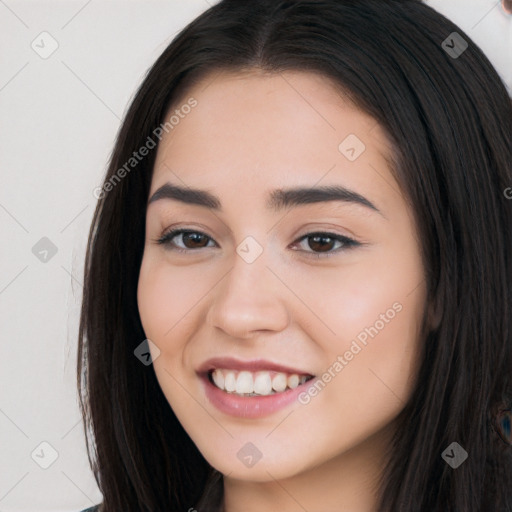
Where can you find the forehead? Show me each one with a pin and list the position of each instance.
(251, 128)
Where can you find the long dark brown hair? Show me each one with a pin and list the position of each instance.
(449, 118)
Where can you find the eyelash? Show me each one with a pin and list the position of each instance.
(348, 243)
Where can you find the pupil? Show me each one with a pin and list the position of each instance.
(319, 241)
(191, 236)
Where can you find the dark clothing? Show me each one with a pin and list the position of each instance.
(211, 499)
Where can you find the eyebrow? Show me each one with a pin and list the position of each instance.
(278, 199)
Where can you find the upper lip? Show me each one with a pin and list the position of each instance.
(230, 363)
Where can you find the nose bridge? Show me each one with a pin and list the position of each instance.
(249, 297)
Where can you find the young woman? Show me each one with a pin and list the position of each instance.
(298, 280)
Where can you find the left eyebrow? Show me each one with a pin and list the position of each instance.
(286, 198)
(278, 199)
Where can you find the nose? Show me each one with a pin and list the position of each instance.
(249, 300)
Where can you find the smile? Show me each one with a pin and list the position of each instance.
(261, 383)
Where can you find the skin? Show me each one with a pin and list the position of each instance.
(251, 133)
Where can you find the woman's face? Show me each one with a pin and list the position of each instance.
(270, 285)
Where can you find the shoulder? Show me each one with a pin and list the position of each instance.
(91, 509)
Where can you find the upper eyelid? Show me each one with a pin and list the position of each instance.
(204, 230)
(179, 230)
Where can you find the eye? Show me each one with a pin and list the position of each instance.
(321, 243)
(191, 239)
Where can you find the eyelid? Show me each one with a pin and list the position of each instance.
(349, 243)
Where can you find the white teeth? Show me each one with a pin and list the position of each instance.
(279, 382)
(218, 378)
(230, 381)
(262, 383)
(244, 383)
(293, 381)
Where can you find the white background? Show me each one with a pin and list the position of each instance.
(58, 120)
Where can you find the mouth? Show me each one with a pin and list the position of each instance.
(246, 383)
(252, 389)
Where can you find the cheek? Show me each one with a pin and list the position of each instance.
(348, 299)
(155, 301)
(366, 383)
(371, 316)
(378, 339)
(165, 296)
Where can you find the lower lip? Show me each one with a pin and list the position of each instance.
(251, 406)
